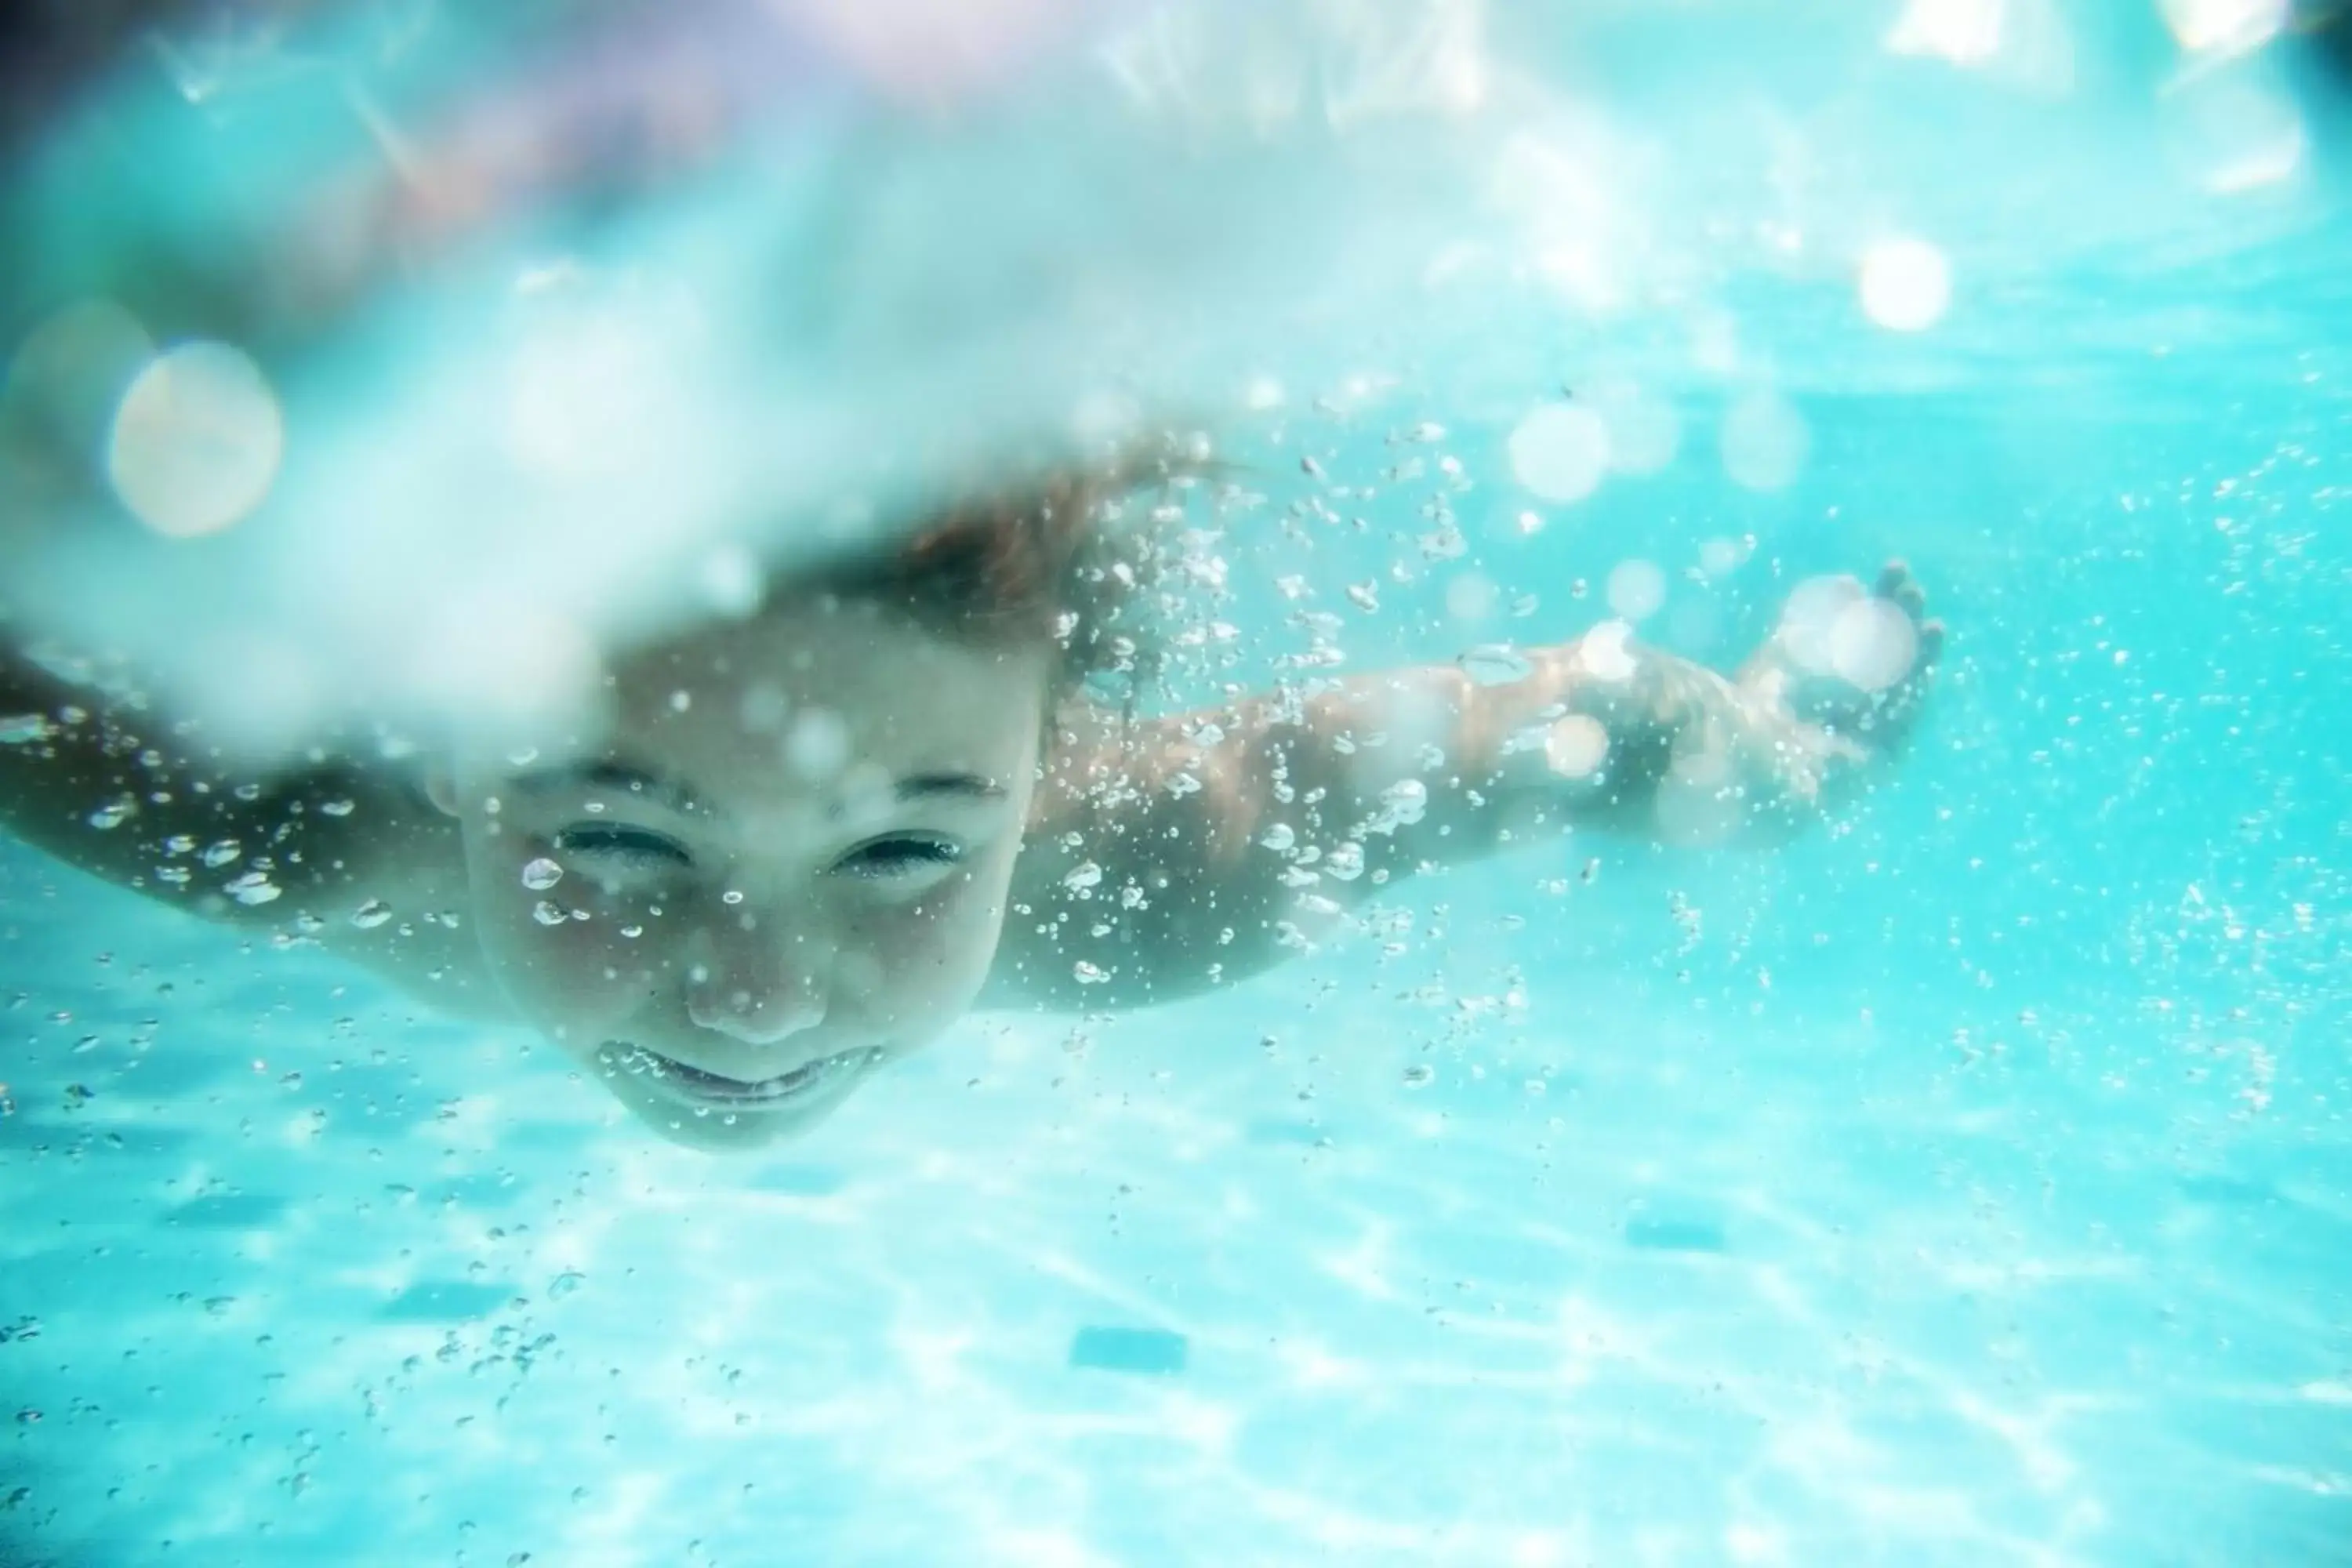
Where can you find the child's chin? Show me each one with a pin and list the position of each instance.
(714, 1130)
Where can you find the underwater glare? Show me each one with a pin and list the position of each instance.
(1154, 782)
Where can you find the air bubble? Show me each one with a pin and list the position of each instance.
(1418, 1074)
(372, 914)
(542, 874)
(1346, 861)
(1084, 879)
(548, 914)
(1496, 664)
(108, 817)
(1088, 974)
(25, 728)
(226, 852)
(252, 888)
(564, 1284)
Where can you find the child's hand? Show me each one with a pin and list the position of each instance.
(1851, 663)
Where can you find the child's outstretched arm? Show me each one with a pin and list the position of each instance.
(106, 781)
(1184, 853)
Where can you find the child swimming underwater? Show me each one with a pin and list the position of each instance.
(794, 847)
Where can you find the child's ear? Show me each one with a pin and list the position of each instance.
(441, 786)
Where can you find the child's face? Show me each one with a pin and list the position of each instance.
(782, 863)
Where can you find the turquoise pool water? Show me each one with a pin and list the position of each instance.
(1968, 1183)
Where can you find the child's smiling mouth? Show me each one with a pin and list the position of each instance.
(694, 1086)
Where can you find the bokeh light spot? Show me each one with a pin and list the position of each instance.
(1765, 442)
(1636, 590)
(196, 440)
(1561, 451)
(1906, 284)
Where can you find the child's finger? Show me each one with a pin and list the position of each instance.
(1931, 643)
(1897, 582)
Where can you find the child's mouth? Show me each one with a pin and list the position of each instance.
(692, 1083)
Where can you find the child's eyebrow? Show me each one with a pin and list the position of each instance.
(607, 773)
(968, 786)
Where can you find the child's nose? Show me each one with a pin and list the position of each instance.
(760, 1014)
(758, 993)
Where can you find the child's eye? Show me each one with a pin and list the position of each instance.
(625, 845)
(898, 857)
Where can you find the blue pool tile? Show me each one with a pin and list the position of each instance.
(1105, 1348)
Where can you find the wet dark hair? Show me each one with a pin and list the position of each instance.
(1072, 558)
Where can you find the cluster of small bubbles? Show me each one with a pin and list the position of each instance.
(1445, 543)
(542, 874)
(1765, 442)
(252, 888)
(1087, 974)
(369, 915)
(1365, 597)
(1496, 664)
(173, 875)
(25, 728)
(1636, 590)
(548, 913)
(1403, 804)
(1183, 784)
(1084, 878)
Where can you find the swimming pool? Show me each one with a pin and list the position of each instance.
(1968, 1184)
